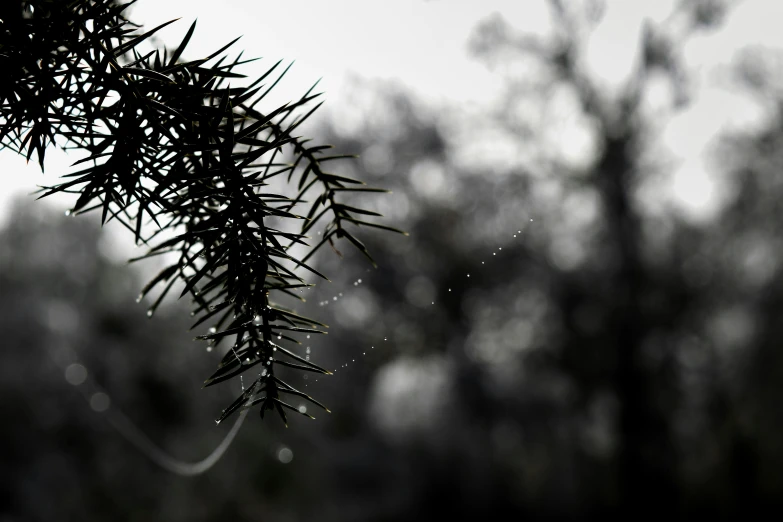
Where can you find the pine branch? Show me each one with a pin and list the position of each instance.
(172, 144)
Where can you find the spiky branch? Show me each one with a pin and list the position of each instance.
(169, 142)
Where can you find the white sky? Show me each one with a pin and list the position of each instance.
(423, 46)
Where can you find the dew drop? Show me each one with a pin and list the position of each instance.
(212, 330)
(308, 336)
(100, 402)
(209, 348)
(67, 212)
(285, 455)
(308, 350)
(334, 298)
(149, 313)
(75, 374)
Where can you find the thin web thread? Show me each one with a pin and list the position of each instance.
(136, 437)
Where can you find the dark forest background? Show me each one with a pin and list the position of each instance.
(604, 358)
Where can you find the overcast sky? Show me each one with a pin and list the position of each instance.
(422, 45)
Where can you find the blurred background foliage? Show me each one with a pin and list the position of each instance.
(589, 352)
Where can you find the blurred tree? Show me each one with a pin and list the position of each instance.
(580, 369)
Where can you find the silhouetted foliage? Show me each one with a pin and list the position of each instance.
(171, 142)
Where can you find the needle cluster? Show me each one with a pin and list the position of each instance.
(181, 146)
